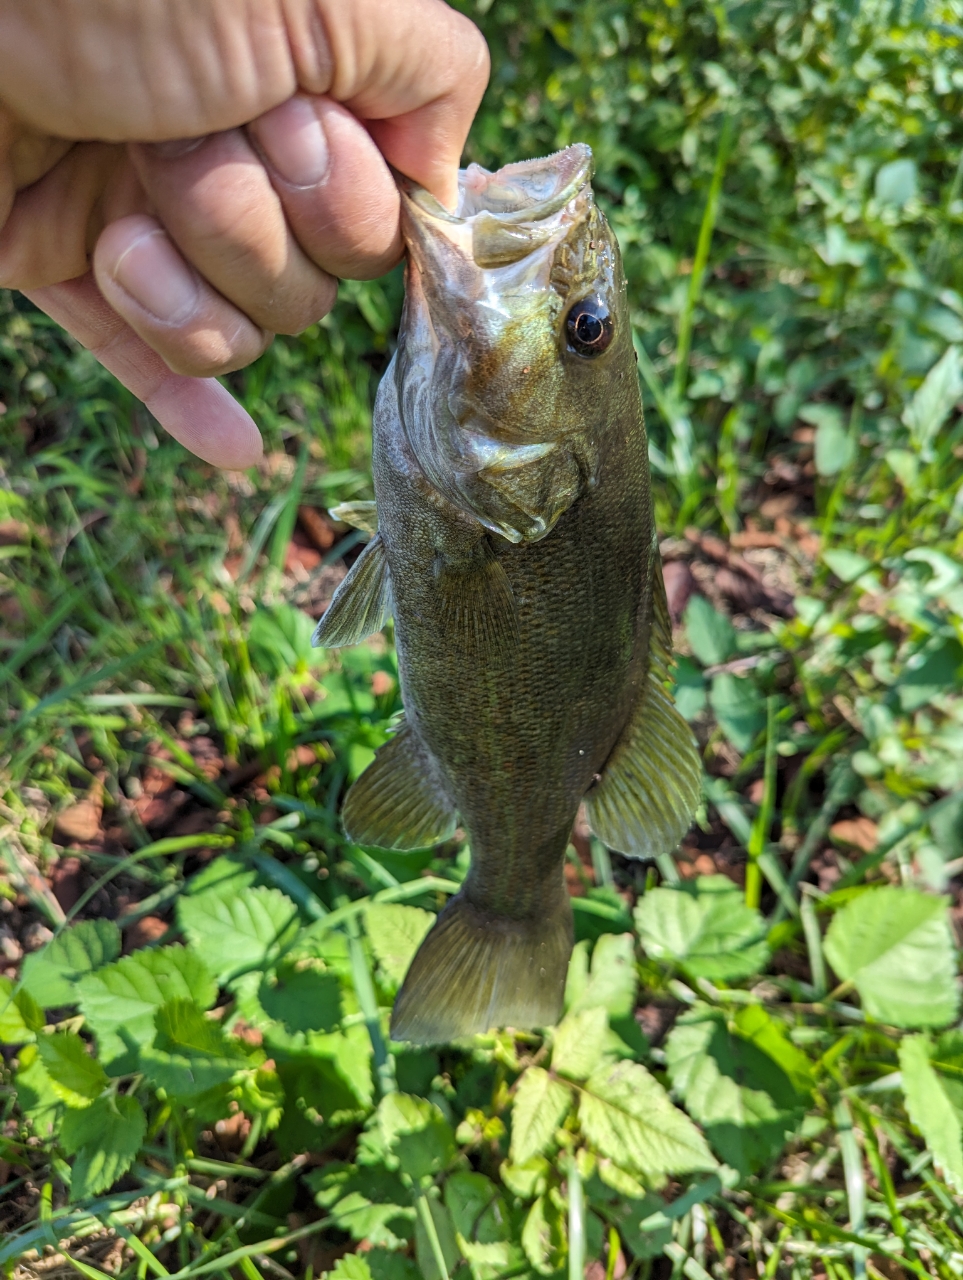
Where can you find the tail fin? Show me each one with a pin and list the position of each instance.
(476, 970)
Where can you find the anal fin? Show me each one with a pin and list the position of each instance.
(361, 604)
(477, 970)
(651, 784)
(398, 802)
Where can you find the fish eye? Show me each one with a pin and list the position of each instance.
(588, 327)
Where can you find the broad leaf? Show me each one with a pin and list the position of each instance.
(933, 402)
(395, 933)
(232, 931)
(711, 636)
(120, 1000)
(579, 1042)
(417, 1135)
(369, 1203)
(744, 1101)
(705, 926)
(931, 1109)
(304, 996)
(739, 707)
(351, 1266)
(895, 945)
(626, 1115)
(76, 1077)
(445, 1235)
(20, 1015)
(612, 982)
(50, 974)
(190, 1054)
(36, 1097)
(544, 1237)
(541, 1104)
(478, 1212)
(105, 1138)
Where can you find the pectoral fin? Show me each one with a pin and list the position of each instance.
(398, 802)
(360, 515)
(480, 617)
(362, 603)
(652, 781)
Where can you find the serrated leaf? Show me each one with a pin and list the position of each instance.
(541, 1104)
(744, 1101)
(76, 1077)
(36, 1097)
(626, 1115)
(120, 1000)
(303, 996)
(896, 946)
(51, 973)
(612, 981)
(351, 1266)
(705, 926)
(543, 1236)
(931, 1109)
(579, 1043)
(190, 1054)
(391, 1266)
(711, 636)
(417, 1134)
(20, 1015)
(478, 1212)
(395, 933)
(527, 1179)
(234, 931)
(368, 1204)
(106, 1138)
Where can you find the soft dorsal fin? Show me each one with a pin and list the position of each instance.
(361, 604)
(398, 802)
(652, 781)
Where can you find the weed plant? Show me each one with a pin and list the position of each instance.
(760, 1066)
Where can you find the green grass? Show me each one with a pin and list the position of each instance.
(787, 186)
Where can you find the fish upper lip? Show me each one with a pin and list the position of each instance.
(526, 192)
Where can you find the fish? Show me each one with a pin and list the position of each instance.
(514, 547)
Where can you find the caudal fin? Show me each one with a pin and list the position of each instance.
(476, 971)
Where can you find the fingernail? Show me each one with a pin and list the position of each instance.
(293, 140)
(153, 273)
(176, 147)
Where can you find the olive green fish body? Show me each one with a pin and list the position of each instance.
(515, 550)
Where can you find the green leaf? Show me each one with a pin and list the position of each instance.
(20, 1015)
(541, 1104)
(689, 689)
(930, 1108)
(351, 1266)
(705, 926)
(626, 1115)
(711, 636)
(190, 1054)
(897, 182)
(544, 1237)
(51, 973)
(417, 1134)
(527, 1179)
(369, 1203)
(76, 1077)
(478, 1212)
(395, 933)
(612, 982)
(391, 1266)
(36, 1097)
(834, 449)
(105, 1138)
(846, 565)
(579, 1043)
(739, 708)
(933, 402)
(304, 996)
(233, 931)
(120, 1000)
(896, 946)
(424, 1251)
(740, 1096)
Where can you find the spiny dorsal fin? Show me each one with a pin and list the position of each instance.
(360, 515)
(475, 971)
(362, 603)
(398, 802)
(652, 781)
(480, 617)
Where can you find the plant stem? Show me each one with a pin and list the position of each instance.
(364, 989)
(576, 1223)
(431, 1231)
(759, 836)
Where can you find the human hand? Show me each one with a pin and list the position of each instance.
(182, 179)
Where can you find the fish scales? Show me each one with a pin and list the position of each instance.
(516, 552)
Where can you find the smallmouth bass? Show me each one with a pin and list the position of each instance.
(515, 549)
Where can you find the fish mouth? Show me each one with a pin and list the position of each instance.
(501, 216)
